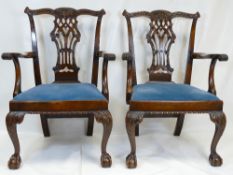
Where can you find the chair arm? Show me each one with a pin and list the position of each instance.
(220, 57)
(107, 57)
(12, 55)
(15, 58)
(214, 58)
(126, 56)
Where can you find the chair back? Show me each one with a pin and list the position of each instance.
(66, 35)
(160, 38)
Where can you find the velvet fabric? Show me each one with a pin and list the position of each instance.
(169, 91)
(61, 92)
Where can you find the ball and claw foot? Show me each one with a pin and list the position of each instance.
(106, 160)
(215, 160)
(14, 162)
(131, 161)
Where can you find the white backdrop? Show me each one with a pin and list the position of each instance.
(214, 35)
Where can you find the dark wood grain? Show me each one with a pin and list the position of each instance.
(132, 120)
(66, 36)
(105, 118)
(219, 119)
(179, 125)
(176, 105)
(45, 125)
(214, 58)
(15, 58)
(160, 32)
(12, 120)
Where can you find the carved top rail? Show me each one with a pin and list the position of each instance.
(66, 35)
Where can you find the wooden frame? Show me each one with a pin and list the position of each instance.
(161, 25)
(65, 70)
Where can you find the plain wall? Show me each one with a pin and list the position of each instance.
(214, 35)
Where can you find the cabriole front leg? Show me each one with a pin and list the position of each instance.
(105, 118)
(12, 119)
(132, 120)
(219, 119)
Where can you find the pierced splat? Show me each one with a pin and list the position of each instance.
(160, 37)
(65, 35)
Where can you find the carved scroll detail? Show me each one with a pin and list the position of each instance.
(103, 117)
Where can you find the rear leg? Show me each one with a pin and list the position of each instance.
(45, 125)
(90, 125)
(179, 125)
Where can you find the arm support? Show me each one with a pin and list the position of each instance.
(131, 74)
(15, 58)
(214, 58)
(107, 57)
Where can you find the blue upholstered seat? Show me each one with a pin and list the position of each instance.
(168, 91)
(61, 92)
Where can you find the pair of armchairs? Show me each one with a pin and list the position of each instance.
(68, 97)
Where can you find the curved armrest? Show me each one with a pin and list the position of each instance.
(107, 57)
(214, 58)
(220, 57)
(14, 57)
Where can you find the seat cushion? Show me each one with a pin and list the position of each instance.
(61, 92)
(168, 91)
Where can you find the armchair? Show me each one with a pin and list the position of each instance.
(66, 96)
(161, 97)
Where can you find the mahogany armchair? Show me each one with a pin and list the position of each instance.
(161, 97)
(66, 96)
